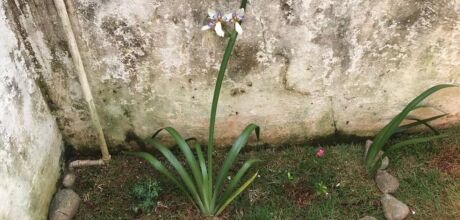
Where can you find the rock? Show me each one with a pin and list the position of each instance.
(366, 147)
(385, 163)
(386, 182)
(69, 180)
(64, 205)
(367, 218)
(393, 208)
(385, 160)
(380, 154)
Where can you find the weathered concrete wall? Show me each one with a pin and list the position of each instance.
(302, 69)
(30, 141)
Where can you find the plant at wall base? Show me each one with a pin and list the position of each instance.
(373, 159)
(201, 188)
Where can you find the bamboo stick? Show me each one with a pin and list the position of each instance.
(75, 52)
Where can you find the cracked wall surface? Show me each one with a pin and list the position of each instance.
(30, 141)
(302, 69)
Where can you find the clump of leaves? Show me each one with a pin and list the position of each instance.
(146, 194)
(321, 189)
(373, 160)
(290, 176)
(200, 187)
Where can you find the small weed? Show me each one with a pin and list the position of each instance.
(290, 176)
(146, 194)
(321, 189)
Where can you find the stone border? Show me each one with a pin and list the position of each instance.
(66, 201)
(387, 184)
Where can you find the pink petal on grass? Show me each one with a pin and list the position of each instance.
(320, 152)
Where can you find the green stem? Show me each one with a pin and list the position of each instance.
(215, 99)
(243, 4)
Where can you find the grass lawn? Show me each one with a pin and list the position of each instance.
(288, 185)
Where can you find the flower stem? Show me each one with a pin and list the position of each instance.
(215, 99)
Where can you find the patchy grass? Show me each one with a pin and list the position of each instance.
(429, 185)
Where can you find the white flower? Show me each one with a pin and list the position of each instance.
(219, 30)
(215, 21)
(236, 18)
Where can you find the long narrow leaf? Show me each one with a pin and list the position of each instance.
(160, 168)
(231, 156)
(180, 170)
(190, 158)
(236, 193)
(202, 162)
(187, 153)
(154, 135)
(236, 179)
(215, 98)
(424, 123)
(383, 136)
(398, 146)
(418, 122)
(430, 107)
(375, 167)
(402, 144)
(190, 139)
(204, 175)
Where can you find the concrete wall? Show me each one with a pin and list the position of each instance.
(30, 141)
(302, 69)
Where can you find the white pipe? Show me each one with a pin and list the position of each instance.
(85, 163)
(75, 52)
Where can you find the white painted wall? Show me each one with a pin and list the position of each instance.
(30, 142)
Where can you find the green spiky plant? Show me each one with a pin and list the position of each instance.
(205, 192)
(373, 160)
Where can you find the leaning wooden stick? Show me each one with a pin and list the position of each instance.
(75, 52)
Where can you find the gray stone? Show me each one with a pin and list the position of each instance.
(69, 180)
(385, 160)
(386, 182)
(385, 163)
(367, 218)
(393, 208)
(366, 147)
(64, 205)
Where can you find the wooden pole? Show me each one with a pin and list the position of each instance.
(76, 57)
